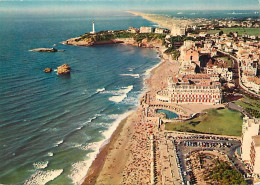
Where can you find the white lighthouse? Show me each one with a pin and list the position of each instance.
(93, 28)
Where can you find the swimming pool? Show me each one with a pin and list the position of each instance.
(169, 114)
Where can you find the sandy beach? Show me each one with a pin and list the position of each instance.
(163, 20)
(127, 158)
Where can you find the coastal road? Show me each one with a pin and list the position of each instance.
(233, 106)
(237, 75)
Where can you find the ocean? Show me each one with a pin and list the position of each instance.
(51, 127)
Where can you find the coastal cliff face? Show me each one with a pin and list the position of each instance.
(127, 41)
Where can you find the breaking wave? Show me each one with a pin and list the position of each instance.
(42, 177)
(40, 165)
(58, 143)
(80, 168)
(121, 94)
(132, 75)
(100, 90)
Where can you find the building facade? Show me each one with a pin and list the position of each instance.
(146, 30)
(250, 128)
(200, 88)
(159, 30)
(250, 148)
(255, 156)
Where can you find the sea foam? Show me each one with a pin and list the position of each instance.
(50, 154)
(40, 165)
(121, 94)
(131, 69)
(42, 177)
(100, 90)
(79, 169)
(58, 143)
(132, 75)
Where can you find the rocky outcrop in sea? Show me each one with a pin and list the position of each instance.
(46, 50)
(47, 70)
(64, 69)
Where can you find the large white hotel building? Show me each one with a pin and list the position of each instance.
(193, 88)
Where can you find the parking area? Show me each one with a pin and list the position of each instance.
(184, 145)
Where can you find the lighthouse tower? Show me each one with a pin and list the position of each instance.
(93, 28)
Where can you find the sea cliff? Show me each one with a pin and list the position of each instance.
(147, 40)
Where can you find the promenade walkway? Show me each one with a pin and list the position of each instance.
(233, 106)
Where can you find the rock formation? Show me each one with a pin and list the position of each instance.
(46, 50)
(47, 70)
(64, 69)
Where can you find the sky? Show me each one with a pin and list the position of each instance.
(150, 4)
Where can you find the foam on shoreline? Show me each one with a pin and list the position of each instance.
(41, 164)
(80, 168)
(43, 177)
(148, 71)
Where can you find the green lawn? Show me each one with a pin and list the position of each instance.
(211, 31)
(243, 31)
(240, 30)
(215, 121)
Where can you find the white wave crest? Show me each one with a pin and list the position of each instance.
(235, 13)
(121, 94)
(132, 75)
(131, 69)
(112, 116)
(41, 164)
(42, 177)
(78, 128)
(100, 90)
(58, 143)
(50, 154)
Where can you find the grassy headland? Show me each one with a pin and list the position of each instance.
(109, 35)
(215, 121)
